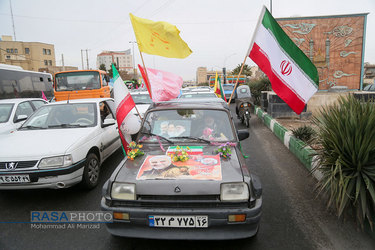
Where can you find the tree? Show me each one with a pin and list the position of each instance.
(245, 71)
(102, 67)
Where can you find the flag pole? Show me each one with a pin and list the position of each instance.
(238, 77)
(144, 66)
(248, 51)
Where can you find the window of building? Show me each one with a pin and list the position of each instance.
(45, 62)
(27, 51)
(50, 62)
(8, 57)
(11, 50)
(16, 51)
(44, 52)
(8, 50)
(48, 52)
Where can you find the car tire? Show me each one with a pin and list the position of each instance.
(91, 172)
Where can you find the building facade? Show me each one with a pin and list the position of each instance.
(335, 44)
(203, 75)
(123, 60)
(29, 55)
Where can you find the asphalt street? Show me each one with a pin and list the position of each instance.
(293, 216)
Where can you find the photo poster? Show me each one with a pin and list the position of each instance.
(198, 167)
(172, 128)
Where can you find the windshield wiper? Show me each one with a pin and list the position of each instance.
(190, 137)
(162, 137)
(31, 127)
(65, 125)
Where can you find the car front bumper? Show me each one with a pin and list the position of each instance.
(51, 178)
(218, 226)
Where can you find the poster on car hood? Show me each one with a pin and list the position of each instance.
(197, 167)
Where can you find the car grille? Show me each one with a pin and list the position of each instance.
(181, 201)
(21, 164)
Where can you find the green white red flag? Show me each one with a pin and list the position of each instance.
(218, 89)
(293, 76)
(124, 104)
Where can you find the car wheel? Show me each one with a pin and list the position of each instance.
(91, 172)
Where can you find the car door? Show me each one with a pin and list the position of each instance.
(23, 108)
(110, 139)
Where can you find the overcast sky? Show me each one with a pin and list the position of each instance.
(217, 31)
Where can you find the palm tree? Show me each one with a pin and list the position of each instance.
(245, 71)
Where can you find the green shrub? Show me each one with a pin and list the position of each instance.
(304, 133)
(347, 157)
(256, 87)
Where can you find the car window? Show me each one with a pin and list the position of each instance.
(105, 111)
(5, 111)
(37, 104)
(63, 116)
(24, 108)
(213, 125)
(367, 87)
(372, 88)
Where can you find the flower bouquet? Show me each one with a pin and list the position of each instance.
(135, 150)
(180, 154)
(224, 150)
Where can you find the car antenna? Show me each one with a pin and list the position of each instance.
(68, 98)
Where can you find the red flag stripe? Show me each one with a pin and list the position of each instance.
(279, 86)
(143, 73)
(123, 109)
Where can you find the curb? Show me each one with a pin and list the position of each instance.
(299, 148)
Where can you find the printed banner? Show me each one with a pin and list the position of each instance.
(198, 167)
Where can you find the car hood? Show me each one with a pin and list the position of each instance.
(35, 144)
(230, 172)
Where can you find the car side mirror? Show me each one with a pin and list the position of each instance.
(21, 118)
(242, 134)
(108, 122)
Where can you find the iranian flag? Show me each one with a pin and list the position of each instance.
(218, 89)
(293, 76)
(124, 104)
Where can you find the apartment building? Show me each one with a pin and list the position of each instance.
(29, 55)
(123, 60)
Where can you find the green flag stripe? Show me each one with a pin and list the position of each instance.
(115, 73)
(290, 48)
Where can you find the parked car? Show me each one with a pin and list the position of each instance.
(60, 145)
(200, 95)
(13, 112)
(206, 197)
(142, 100)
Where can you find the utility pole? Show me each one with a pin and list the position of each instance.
(62, 62)
(134, 72)
(87, 58)
(82, 59)
(11, 13)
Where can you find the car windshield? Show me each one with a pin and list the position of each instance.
(70, 115)
(187, 124)
(141, 99)
(5, 111)
(77, 81)
(198, 95)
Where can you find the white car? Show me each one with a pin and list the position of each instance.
(142, 101)
(13, 112)
(60, 145)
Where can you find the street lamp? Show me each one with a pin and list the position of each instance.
(133, 42)
(224, 69)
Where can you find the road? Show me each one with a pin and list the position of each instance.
(293, 217)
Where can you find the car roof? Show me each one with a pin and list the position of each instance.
(19, 100)
(206, 103)
(96, 100)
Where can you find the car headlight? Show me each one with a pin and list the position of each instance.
(123, 191)
(238, 191)
(56, 162)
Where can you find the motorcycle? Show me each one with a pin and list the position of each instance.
(244, 104)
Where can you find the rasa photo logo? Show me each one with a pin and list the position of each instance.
(69, 219)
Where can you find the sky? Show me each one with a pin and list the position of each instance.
(218, 32)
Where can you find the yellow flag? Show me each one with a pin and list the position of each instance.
(159, 38)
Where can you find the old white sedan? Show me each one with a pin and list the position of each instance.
(60, 145)
(13, 112)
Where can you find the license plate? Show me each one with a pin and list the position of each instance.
(178, 221)
(21, 178)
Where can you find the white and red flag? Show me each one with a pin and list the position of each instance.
(163, 86)
(124, 104)
(293, 76)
